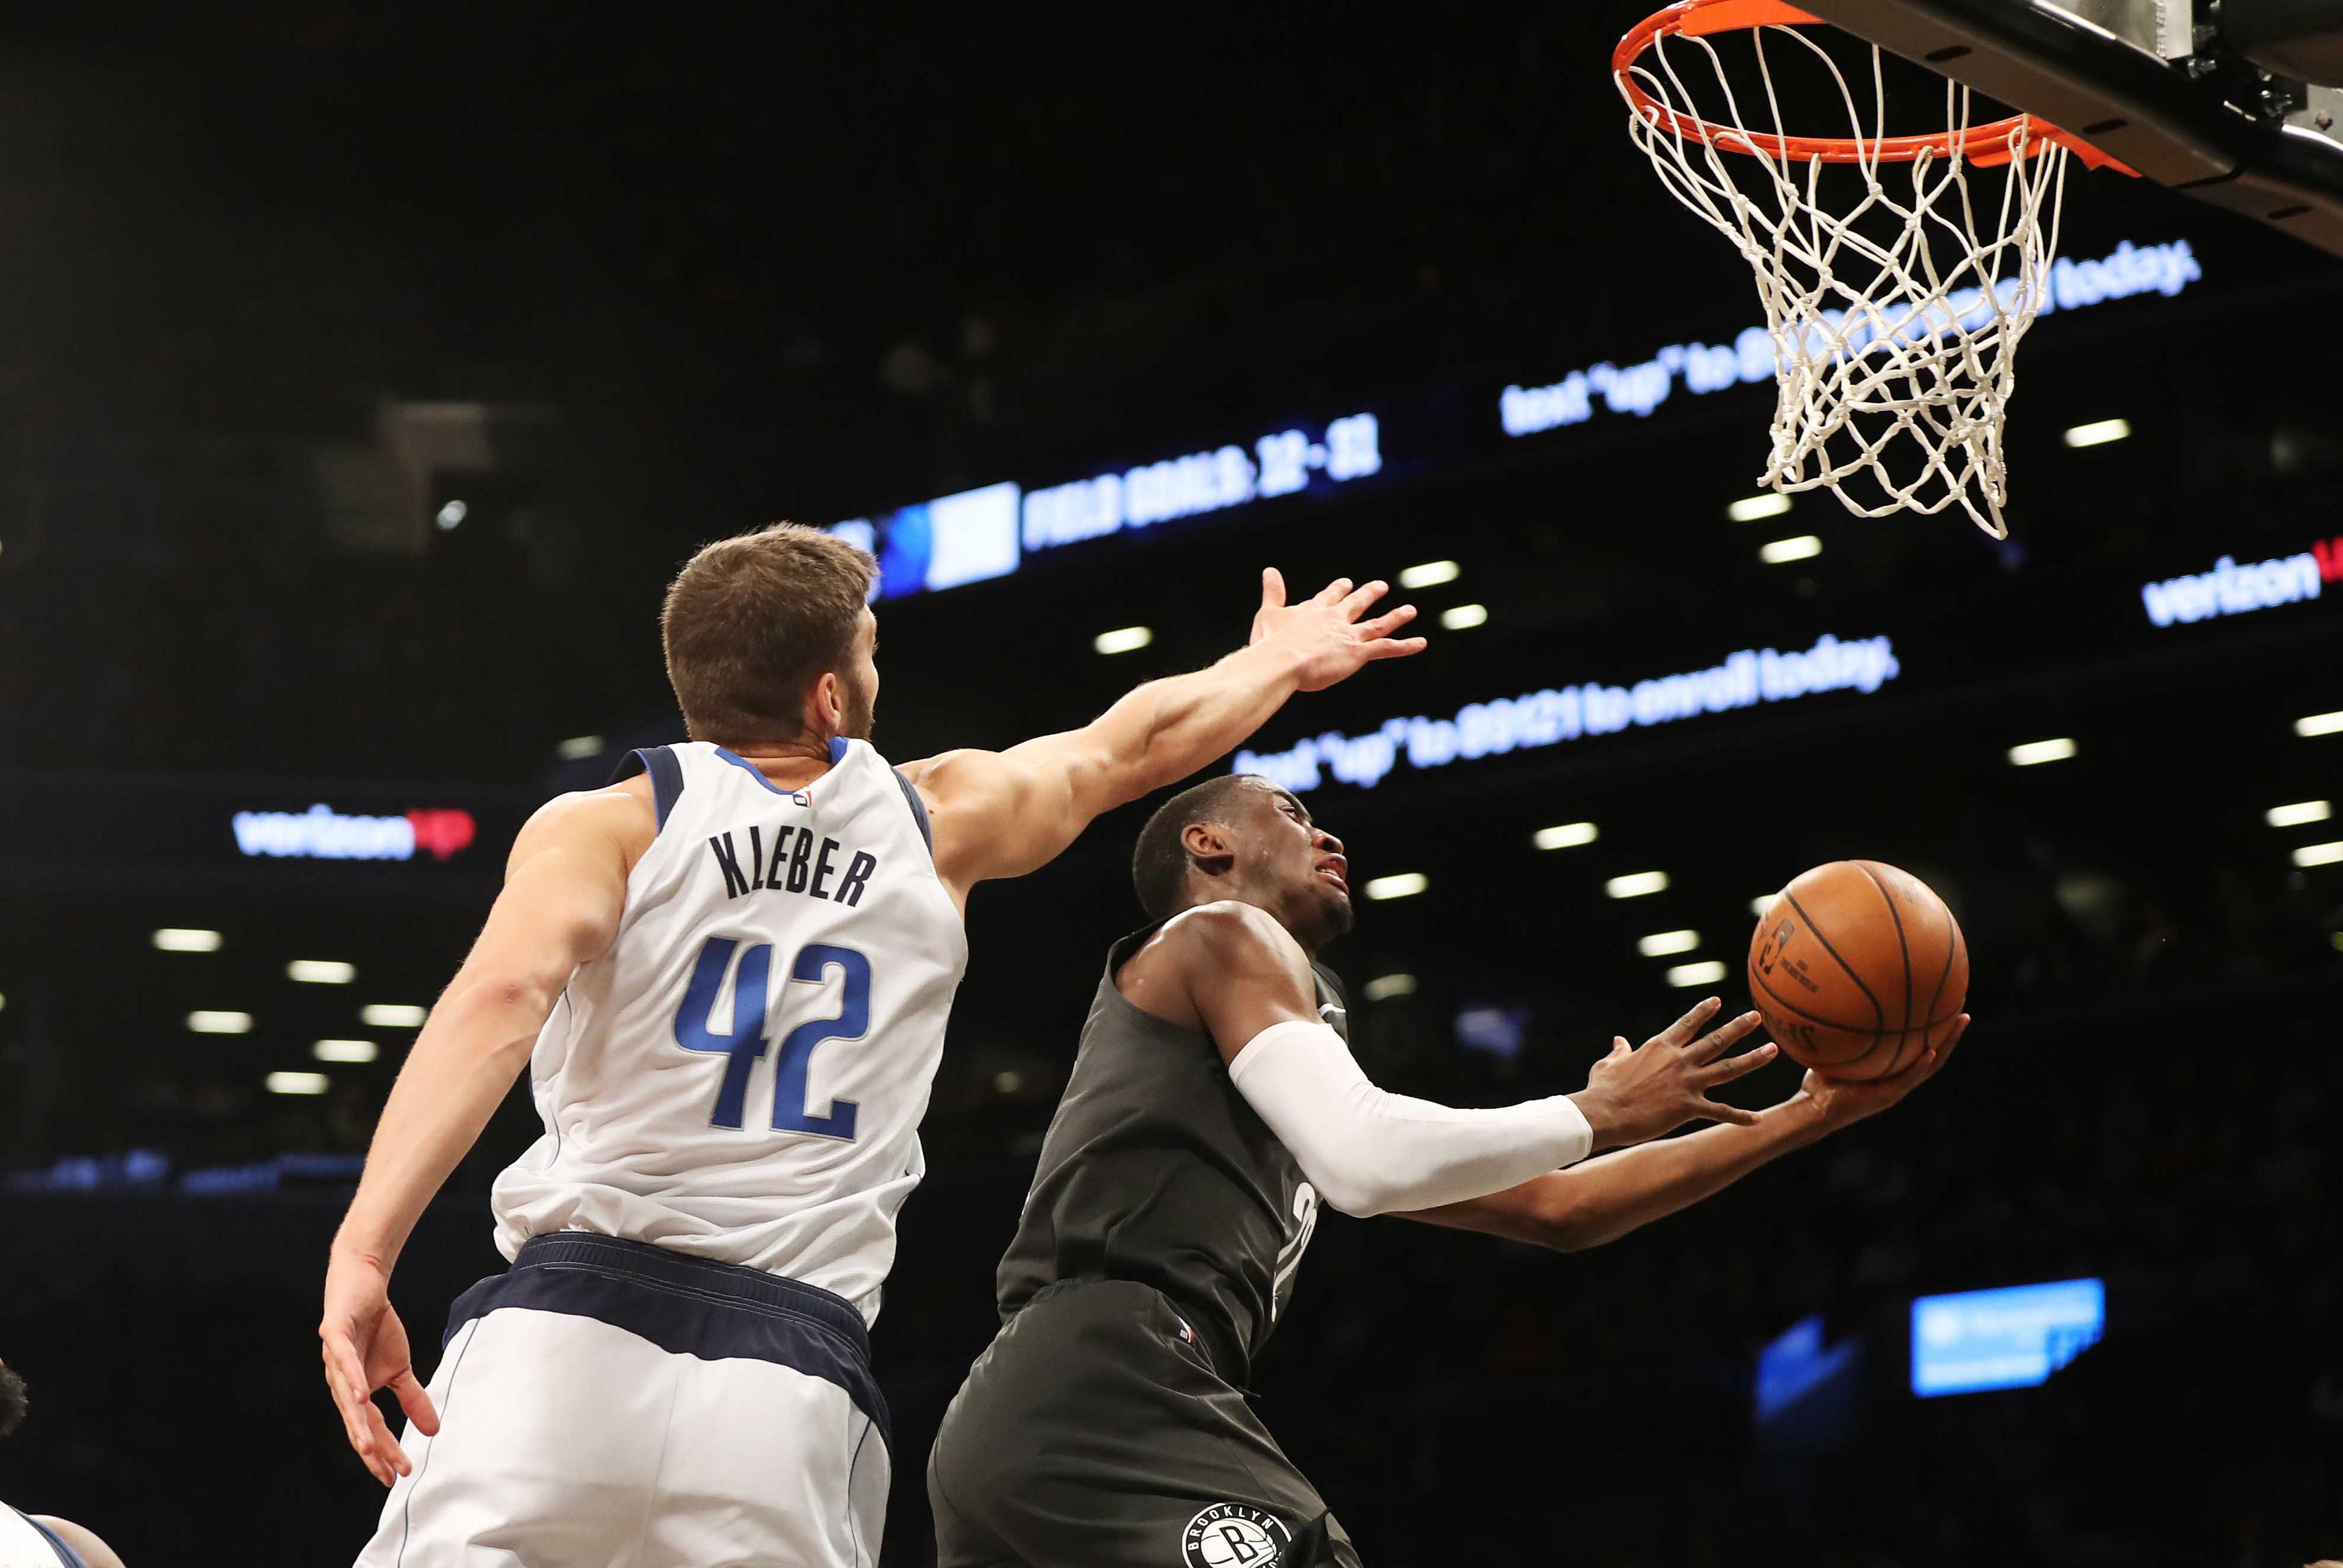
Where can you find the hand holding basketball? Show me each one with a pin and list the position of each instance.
(1842, 1101)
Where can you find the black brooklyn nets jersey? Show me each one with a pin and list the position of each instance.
(1155, 1170)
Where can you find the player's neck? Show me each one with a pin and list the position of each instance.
(789, 766)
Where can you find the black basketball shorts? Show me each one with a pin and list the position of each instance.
(1094, 1433)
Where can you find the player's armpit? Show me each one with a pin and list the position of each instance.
(997, 814)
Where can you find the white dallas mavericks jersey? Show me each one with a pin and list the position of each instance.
(742, 1077)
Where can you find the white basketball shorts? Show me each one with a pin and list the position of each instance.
(611, 1404)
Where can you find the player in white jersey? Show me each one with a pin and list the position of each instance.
(729, 973)
(38, 1540)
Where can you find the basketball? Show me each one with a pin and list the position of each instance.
(1858, 968)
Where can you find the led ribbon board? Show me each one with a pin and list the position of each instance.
(986, 533)
(2010, 1338)
(2233, 589)
(1744, 680)
(973, 535)
(1704, 368)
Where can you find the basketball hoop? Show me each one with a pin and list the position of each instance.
(1895, 313)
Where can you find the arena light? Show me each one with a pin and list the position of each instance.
(578, 748)
(1781, 552)
(1124, 640)
(2319, 724)
(1398, 885)
(1563, 835)
(2098, 433)
(1636, 884)
(1760, 903)
(186, 939)
(357, 1050)
(1752, 509)
(1660, 944)
(211, 1021)
(1429, 574)
(2034, 752)
(1708, 971)
(1464, 616)
(321, 971)
(1383, 987)
(2319, 854)
(452, 515)
(2300, 812)
(392, 1015)
(298, 1083)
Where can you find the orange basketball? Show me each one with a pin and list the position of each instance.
(1858, 968)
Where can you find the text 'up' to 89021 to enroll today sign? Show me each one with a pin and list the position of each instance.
(976, 535)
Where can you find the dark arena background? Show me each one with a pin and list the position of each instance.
(366, 374)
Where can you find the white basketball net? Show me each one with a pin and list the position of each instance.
(1895, 321)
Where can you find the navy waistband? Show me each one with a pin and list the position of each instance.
(687, 1306)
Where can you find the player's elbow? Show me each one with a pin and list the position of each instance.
(504, 997)
(1353, 1188)
(1564, 1224)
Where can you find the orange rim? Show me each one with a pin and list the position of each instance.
(1984, 145)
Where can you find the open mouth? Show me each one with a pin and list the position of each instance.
(1331, 871)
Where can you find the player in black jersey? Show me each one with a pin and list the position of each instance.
(1213, 1103)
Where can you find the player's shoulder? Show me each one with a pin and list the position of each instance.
(625, 814)
(1229, 934)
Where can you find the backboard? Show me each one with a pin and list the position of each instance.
(2219, 101)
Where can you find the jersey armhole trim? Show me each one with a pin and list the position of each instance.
(66, 1555)
(667, 775)
(919, 809)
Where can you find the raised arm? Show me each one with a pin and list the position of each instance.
(565, 888)
(1603, 1200)
(1005, 813)
(1241, 975)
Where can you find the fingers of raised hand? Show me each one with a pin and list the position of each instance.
(1361, 600)
(1734, 1067)
(1723, 1038)
(1273, 589)
(1332, 592)
(1394, 647)
(1684, 1027)
(1386, 624)
(1717, 1110)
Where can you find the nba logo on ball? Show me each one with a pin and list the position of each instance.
(1234, 1535)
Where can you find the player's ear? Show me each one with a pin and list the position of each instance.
(1209, 849)
(825, 705)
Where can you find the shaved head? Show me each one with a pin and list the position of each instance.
(1159, 865)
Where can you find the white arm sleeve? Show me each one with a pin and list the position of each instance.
(1369, 1152)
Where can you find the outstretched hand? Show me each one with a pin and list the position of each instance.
(1325, 631)
(1842, 1101)
(364, 1348)
(1633, 1095)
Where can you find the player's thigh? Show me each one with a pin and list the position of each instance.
(551, 1431)
(766, 1465)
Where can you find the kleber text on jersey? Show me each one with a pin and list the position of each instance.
(796, 864)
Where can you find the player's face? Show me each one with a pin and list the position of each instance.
(1304, 863)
